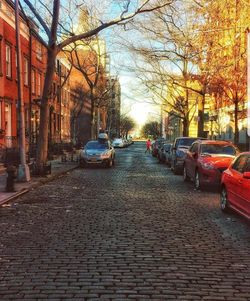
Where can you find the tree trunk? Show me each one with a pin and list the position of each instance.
(93, 133)
(185, 124)
(236, 122)
(42, 147)
(201, 108)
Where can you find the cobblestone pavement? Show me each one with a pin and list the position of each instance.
(133, 232)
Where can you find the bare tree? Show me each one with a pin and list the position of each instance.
(127, 124)
(60, 35)
(166, 66)
(89, 59)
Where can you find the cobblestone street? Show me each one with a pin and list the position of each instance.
(132, 232)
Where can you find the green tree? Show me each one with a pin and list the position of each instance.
(152, 128)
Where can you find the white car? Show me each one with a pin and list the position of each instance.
(118, 142)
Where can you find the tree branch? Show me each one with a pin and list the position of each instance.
(39, 18)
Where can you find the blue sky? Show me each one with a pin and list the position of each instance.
(135, 101)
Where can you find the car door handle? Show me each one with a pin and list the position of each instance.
(240, 181)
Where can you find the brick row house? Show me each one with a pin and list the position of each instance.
(33, 66)
(34, 60)
(70, 105)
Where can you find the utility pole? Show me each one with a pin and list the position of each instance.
(98, 122)
(23, 170)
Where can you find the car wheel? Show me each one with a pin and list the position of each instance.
(82, 163)
(175, 170)
(185, 175)
(224, 200)
(197, 180)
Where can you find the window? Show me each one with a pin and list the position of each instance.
(247, 167)
(16, 65)
(218, 149)
(26, 72)
(240, 163)
(1, 70)
(39, 52)
(33, 81)
(39, 78)
(26, 116)
(194, 148)
(8, 61)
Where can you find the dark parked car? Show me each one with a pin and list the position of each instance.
(206, 160)
(164, 153)
(156, 146)
(179, 150)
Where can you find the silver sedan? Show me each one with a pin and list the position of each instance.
(97, 152)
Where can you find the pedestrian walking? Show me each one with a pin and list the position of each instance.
(148, 146)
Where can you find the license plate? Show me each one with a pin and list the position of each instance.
(93, 160)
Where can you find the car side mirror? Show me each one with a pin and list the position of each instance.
(246, 175)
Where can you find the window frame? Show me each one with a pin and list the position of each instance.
(26, 71)
(1, 61)
(246, 164)
(195, 144)
(39, 51)
(33, 81)
(8, 64)
(242, 157)
(39, 83)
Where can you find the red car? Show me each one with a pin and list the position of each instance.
(235, 192)
(206, 160)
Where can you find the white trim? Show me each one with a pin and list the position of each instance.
(8, 15)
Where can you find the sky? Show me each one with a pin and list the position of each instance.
(135, 101)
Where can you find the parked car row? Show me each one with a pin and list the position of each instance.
(101, 151)
(211, 163)
(121, 142)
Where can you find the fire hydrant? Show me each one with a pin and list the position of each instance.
(11, 171)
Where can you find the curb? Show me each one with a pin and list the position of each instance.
(40, 182)
(13, 197)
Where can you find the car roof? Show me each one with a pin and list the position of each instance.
(197, 138)
(218, 142)
(245, 153)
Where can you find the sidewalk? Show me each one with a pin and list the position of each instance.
(57, 168)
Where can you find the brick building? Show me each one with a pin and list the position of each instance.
(33, 66)
(68, 122)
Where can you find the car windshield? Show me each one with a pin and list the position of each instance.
(167, 147)
(218, 149)
(185, 142)
(96, 145)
